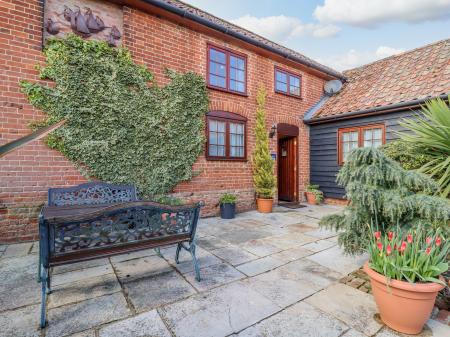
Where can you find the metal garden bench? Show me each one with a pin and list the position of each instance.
(95, 220)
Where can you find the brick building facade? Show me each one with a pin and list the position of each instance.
(158, 39)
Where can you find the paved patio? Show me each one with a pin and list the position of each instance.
(263, 275)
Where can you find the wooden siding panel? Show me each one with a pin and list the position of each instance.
(323, 147)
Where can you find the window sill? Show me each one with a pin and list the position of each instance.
(226, 159)
(243, 94)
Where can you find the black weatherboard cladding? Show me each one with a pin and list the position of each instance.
(323, 147)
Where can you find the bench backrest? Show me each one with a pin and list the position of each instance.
(91, 193)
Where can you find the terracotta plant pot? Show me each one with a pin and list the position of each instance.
(311, 198)
(264, 205)
(403, 306)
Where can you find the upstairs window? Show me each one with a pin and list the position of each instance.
(227, 70)
(287, 83)
(226, 136)
(360, 136)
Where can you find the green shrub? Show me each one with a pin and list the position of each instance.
(431, 132)
(120, 126)
(383, 194)
(408, 155)
(228, 198)
(167, 200)
(263, 176)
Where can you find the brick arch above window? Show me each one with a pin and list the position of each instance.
(226, 136)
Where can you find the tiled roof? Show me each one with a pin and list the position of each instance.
(416, 74)
(228, 27)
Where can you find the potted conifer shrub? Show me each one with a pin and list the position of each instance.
(263, 176)
(314, 196)
(227, 206)
(405, 270)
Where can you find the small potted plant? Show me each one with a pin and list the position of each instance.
(405, 270)
(314, 196)
(263, 165)
(227, 206)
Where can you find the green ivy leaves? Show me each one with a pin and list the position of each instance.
(121, 127)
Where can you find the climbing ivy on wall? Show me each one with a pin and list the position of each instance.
(120, 126)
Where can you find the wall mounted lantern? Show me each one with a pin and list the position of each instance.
(273, 130)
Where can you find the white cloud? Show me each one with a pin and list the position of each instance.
(370, 13)
(354, 58)
(281, 28)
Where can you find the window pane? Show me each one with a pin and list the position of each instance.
(377, 133)
(237, 86)
(354, 136)
(237, 62)
(221, 126)
(368, 135)
(376, 143)
(217, 56)
(212, 125)
(281, 87)
(221, 138)
(217, 69)
(217, 81)
(281, 77)
(294, 81)
(368, 143)
(294, 91)
(213, 150)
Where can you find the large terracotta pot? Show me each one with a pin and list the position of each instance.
(403, 306)
(311, 198)
(264, 205)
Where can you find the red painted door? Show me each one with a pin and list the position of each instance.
(287, 169)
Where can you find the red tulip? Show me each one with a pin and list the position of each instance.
(388, 250)
(402, 247)
(390, 235)
(409, 238)
(428, 240)
(428, 251)
(377, 235)
(438, 241)
(380, 246)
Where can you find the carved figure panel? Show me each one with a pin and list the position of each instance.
(90, 19)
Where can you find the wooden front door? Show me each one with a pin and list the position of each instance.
(287, 169)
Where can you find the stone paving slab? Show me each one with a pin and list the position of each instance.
(83, 290)
(241, 236)
(355, 308)
(156, 290)
(292, 254)
(132, 255)
(312, 272)
(140, 268)
(322, 233)
(234, 255)
(210, 242)
(261, 247)
(299, 320)
(290, 240)
(18, 282)
(78, 275)
(17, 250)
(335, 259)
(218, 313)
(282, 287)
(21, 322)
(87, 333)
(81, 316)
(353, 333)
(79, 265)
(262, 265)
(204, 259)
(431, 328)
(320, 245)
(214, 276)
(148, 324)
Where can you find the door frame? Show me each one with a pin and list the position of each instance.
(289, 131)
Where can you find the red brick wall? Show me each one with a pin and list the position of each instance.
(26, 174)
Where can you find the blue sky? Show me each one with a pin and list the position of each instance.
(340, 33)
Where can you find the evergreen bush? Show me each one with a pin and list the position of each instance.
(383, 194)
(409, 155)
(263, 176)
(120, 126)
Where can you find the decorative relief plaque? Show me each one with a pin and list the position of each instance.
(90, 19)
